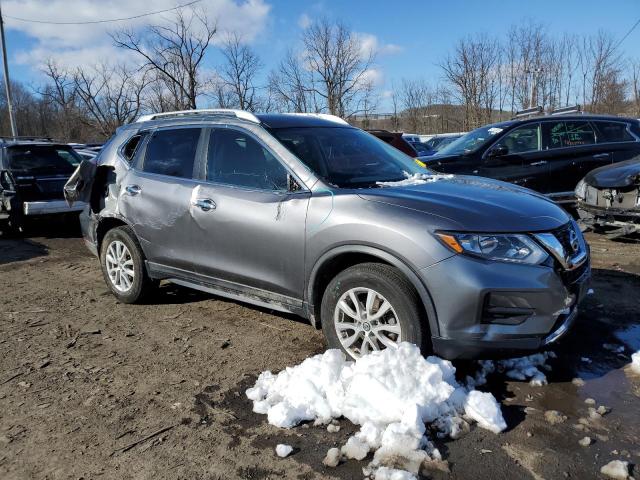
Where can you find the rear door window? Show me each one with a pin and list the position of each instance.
(611, 132)
(567, 134)
(172, 152)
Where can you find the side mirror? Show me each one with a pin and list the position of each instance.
(498, 151)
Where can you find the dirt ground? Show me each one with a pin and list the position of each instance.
(84, 380)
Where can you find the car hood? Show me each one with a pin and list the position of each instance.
(478, 204)
(619, 175)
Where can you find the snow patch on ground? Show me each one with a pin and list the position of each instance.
(416, 179)
(524, 368)
(635, 362)
(617, 469)
(283, 450)
(391, 394)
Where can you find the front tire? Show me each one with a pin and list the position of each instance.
(122, 262)
(370, 307)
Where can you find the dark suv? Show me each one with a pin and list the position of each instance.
(305, 214)
(549, 154)
(33, 172)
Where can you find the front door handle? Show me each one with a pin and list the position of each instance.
(204, 204)
(133, 190)
(541, 162)
(601, 156)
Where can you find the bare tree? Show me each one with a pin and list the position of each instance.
(635, 86)
(337, 66)
(111, 95)
(471, 73)
(601, 66)
(238, 75)
(174, 52)
(289, 85)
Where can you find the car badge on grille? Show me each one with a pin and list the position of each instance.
(573, 240)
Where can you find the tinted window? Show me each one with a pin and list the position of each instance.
(131, 147)
(613, 132)
(568, 134)
(172, 152)
(523, 139)
(347, 157)
(235, 158)
(45, 159)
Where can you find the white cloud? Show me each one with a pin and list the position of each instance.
(73, 45)
(369, 44)
(374, 76)
(304, 21)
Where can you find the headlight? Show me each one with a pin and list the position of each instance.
(504, 247)
(581, 190)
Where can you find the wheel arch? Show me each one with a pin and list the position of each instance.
(340, 258)
(105, 224)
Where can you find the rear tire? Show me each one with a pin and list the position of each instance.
(388, 311)
(123, 268)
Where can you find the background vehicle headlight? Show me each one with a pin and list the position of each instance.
(581, 190)
(516, 248)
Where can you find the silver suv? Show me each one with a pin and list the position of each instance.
(305, 214)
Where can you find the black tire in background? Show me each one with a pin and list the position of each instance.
(142, 285)
(393, 286)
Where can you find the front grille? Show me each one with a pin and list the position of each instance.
(563, 234)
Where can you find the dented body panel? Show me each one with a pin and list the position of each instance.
(270, 248)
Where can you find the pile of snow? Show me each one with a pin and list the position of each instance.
(635, 362)
(524, 368)
(391, 394)
(416, 179)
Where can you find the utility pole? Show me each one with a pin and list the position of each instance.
(7, 88)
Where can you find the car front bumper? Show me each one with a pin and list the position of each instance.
(497, 309)
(48, 207)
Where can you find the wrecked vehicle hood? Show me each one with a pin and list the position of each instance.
(475, 204)
(618, 175)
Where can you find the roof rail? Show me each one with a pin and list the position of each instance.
(529, 112)
(324, 116)
(242, 114)
(567, 110)
(26, 138)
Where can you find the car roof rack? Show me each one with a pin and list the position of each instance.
(227, 112)
(27, 138)
(529, 112)
(568, 110)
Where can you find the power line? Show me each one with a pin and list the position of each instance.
(28, 20)
(627, 34)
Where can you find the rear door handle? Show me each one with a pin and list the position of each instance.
(601, 156)
(204, 204)
(133, 190)
(541, 162)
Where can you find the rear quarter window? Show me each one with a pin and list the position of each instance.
(610, 132)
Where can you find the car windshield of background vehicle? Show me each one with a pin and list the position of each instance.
(472, 141)
(42, 159)
(569, 134)
(347, 157)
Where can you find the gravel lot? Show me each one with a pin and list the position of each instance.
(84, 380)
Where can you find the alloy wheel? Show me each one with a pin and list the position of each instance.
(119, 265)
(365, 321)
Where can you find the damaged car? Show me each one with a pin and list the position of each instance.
(608, 199)
(33, 172)
(303, 213)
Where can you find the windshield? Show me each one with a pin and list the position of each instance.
(472, 141)
(44, 159)
(347, 157)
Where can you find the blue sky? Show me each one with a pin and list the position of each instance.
(412, 36)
